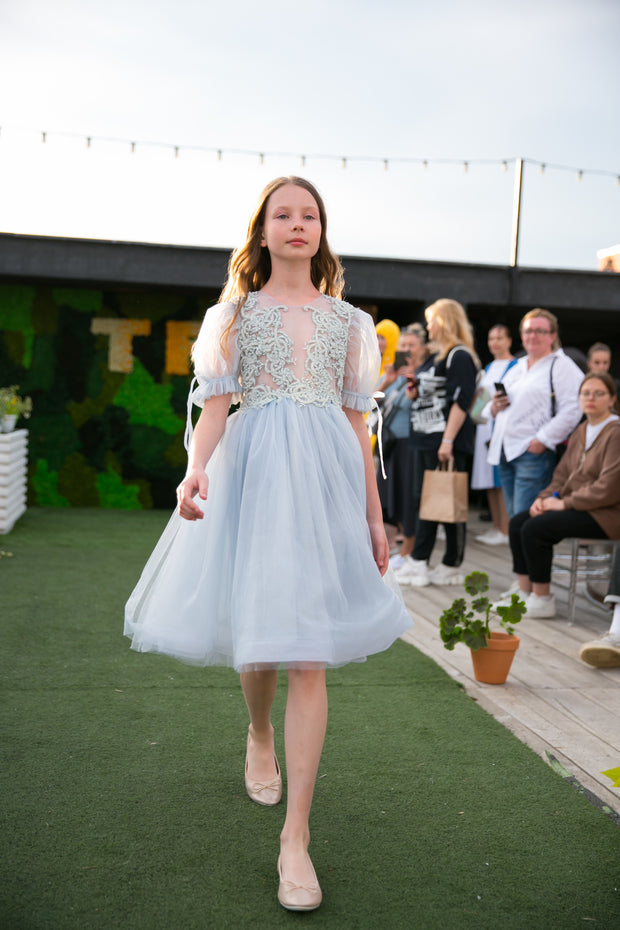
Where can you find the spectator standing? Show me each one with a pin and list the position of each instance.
(485, 476)
(599, 357)
(388, 334)
(396, 490)
(537, 412)
(441, 428)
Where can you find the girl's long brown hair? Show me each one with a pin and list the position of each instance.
(249, 267)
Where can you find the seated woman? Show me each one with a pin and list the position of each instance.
(583, 498)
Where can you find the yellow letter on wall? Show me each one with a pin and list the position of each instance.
(121, 333)
(179, 337)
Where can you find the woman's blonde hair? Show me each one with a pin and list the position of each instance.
(249, 267)
(553, 324)
(454, 327)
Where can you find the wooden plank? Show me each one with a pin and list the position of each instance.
(552, 701)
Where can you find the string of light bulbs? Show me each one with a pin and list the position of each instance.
(133, 144)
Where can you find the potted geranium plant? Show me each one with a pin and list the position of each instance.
(492, 651)
(12, 406)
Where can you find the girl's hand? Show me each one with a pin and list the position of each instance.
(195, 482)
(380, 546)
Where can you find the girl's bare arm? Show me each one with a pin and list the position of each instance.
(207, 434)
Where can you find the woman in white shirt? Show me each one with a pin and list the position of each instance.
(483, 475)
(537, 412)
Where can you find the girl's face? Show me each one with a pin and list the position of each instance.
(499, 342)
(595, 400)
(292, 227)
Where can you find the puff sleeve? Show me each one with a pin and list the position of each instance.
(362, 364)
(216, 371)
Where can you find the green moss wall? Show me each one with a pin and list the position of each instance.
(100, 436)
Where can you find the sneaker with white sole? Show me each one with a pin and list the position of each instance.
(414, 572)
(397, 561)
(493, 538)
(539, 608)
(447, 574)
(603, 652)
(513, 589)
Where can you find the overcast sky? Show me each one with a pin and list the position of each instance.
(363, 80)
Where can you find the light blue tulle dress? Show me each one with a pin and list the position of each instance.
(280, 570)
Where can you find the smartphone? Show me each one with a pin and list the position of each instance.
(499, 387)
(401, 359)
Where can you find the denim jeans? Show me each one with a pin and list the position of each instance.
(524, 477)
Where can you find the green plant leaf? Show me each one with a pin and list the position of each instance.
(476, 583)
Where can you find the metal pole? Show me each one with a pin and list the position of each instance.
(516, 212)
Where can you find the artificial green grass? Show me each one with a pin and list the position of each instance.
(123, 802)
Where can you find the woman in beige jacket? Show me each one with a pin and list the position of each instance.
(583, 498)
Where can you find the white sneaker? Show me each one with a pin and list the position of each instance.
(513, 589)
(413, 571)
(493, 538)
(539, 608)
(447, 574)
(603, 652)
(397, 561)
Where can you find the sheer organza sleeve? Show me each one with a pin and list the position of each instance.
(363, 363)
(216, 369)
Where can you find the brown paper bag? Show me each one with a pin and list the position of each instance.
(444, 495)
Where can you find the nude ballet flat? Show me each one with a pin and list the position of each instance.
(298, 897)
(266, 793)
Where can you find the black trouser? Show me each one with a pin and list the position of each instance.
(532, 539)
(426, 530)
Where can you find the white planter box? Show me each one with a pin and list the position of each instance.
(13, 477)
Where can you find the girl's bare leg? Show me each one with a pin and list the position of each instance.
(304, 734)
(259, 690)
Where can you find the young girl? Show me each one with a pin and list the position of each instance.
(276, 555)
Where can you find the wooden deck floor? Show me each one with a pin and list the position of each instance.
(564, 710)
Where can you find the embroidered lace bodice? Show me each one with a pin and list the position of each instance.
(321, 353)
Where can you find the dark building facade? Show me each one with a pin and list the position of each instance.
(98, 334)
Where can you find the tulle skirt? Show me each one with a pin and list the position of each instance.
(280, 569)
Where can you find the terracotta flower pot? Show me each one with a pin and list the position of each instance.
(492, 664)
